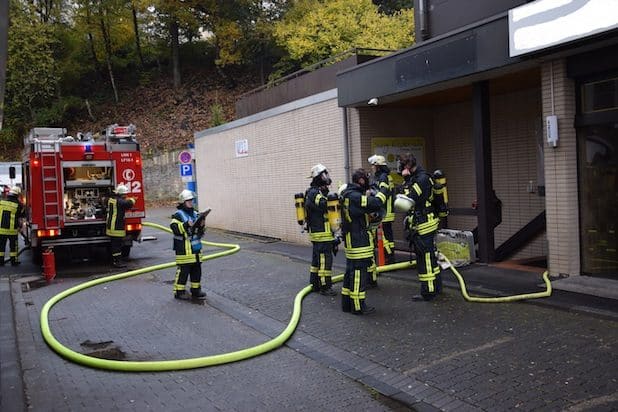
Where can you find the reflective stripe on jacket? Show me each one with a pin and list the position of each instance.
(10, 212)
(387, 187)
(116, 208)
(355, 221)
(182, 239)
(317, 216)
(420, 188)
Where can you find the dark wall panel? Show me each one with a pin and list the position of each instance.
(448, 15)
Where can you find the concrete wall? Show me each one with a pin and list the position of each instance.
(558, 97)
(162, 181)
(255, 194)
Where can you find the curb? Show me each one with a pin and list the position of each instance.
(403, 388)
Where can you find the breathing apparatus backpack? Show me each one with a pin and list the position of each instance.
(299, 202)
(333, 210)
(440, 194)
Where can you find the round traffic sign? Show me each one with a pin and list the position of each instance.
(185, 157)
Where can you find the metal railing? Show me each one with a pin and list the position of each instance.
(333, 59)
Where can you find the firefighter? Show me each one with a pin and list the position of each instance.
(11, 212)
(358, 207)
(320, 233)
(117, 205)
(384, 183)
(188, 227)
(422, 223)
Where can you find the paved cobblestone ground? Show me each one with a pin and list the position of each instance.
(448, 354)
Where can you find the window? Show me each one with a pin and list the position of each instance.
(600, 96)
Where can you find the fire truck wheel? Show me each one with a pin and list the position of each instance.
(125, 251)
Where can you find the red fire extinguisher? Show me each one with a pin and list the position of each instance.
(49, 265)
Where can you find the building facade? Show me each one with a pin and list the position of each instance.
(523, 120)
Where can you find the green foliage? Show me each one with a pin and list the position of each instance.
(9, 141)
(31, 69)
(217, 117)
(393, 6)
(60, 112)
(314, 30)
(57, 49)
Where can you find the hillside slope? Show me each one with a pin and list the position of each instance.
(167, 118)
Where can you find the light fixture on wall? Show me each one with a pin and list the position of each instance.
(373, 101)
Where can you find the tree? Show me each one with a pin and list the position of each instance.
(177, 16)
(393, 6)
(313, 30)
(103, 12)
(31, 69)
(138, 47)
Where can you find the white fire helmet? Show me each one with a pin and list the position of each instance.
(121, 189)
(403, 203)
(15, 190)
(377, 160)
(316, 170)
(342, 188)
(185, 195)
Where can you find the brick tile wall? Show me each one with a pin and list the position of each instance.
(255, 194)
(561, 171)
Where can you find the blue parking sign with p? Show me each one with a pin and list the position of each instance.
(186, 170)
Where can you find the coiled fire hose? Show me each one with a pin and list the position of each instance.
(212, 360)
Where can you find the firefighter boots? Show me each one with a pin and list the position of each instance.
(182, 295)
(327, 291)
(365, 310)
(198, 294)
(346, 303)
(117, 263)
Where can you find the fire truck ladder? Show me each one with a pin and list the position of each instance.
(51, 195)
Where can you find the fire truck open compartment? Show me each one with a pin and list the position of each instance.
(87, 187)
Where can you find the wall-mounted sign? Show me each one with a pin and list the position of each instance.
(392, 147)
(545, 23)
(186, 173)
(185, 157)
(242, 148)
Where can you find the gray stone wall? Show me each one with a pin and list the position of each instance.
(162, 177)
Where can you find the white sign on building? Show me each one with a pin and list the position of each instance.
(545, 23)
(242, 148)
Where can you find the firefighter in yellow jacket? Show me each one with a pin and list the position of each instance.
(357, 206)
(320, 232)
(422, 222)
(384, 183)
(11, 211)
(117, 206)
(188, 228)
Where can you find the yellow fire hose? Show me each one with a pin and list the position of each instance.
(464, 291)
(200, 362)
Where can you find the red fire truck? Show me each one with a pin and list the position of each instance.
(67, 182)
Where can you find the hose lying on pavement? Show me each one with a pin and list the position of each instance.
(464, 291)
(200, 362)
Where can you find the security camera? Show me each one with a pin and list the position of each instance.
(373, 101)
